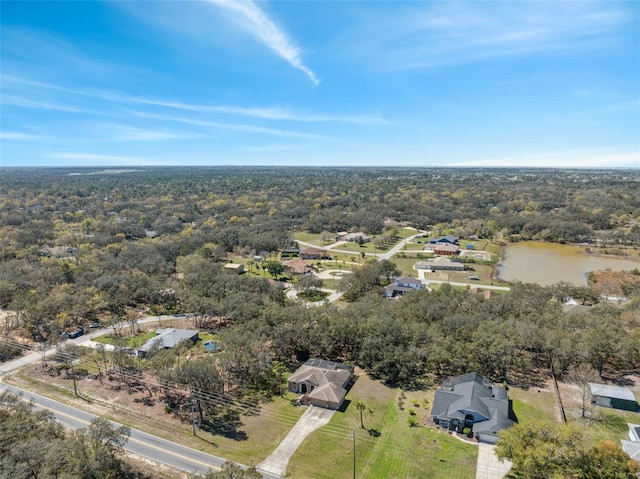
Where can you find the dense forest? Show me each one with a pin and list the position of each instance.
(156, 238)
(77, 246)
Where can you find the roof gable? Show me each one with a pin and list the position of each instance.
(472, 394)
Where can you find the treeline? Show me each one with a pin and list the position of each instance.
(33, 444)
(257, 209)
(513, 337)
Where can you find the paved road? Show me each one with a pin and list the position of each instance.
(380, 256)
(84, 340)
(312, 419)
(141, 443)
(292, 294)
(489, 467)
(427, 281)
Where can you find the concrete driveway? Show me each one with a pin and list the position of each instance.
(489, 467)
(313, 418)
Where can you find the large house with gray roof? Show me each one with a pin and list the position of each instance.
(472, 401)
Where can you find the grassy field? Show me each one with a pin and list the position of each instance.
(533, 404)
(132, 342)
(405, 265)
(399, 451)
(310, 238)
(606, 424)
(259, 434)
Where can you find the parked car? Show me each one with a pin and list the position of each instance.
(76, 333)
(476, 278)
(94, 325)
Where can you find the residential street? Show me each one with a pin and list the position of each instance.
(141, 443)
(388, 255)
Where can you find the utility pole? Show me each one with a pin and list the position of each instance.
(193, 416)
(353, 435)
(73, 374)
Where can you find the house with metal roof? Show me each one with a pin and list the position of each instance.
(632, 446)
(321, 383)
(472, 401)
(615, 397)
(402, 285)
(439, 264)
(450, 239)
(167, 339)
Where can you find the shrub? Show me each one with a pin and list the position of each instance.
(412, 412)
(467, 432)
(412, 421)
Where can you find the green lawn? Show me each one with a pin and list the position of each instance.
(608, 424)
(312, 296)
(413, 246)
(399, 451)
(264, 432)
(132, 342)
(405, 265)
(310, 238)
(532, 405)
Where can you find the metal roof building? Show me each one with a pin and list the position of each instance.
(615, 397)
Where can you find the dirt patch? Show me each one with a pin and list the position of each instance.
(135, 397)
(572, 394)
(613, 282)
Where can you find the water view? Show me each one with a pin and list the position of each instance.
(546, 263)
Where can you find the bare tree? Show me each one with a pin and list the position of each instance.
(581, 375)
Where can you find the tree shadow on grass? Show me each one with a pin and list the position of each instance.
(374, 432)
(227, 424)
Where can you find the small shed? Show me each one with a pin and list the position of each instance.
(615, 397)
(234, 268)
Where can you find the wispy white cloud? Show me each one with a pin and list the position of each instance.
(560, 159)
(266, 113)
(270, 113)
(234, 126)
(41, 105)
(427, 35)
(129, 133)
(254, 20)
(19, 136)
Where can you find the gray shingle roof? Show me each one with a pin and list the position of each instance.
(472, 394)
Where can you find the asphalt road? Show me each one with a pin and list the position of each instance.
(141, 443)
(388, 255)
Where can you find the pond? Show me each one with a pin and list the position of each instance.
(548, 263)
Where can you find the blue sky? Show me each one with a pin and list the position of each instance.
(320, 83)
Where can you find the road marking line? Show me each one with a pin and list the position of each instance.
(188, 459)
